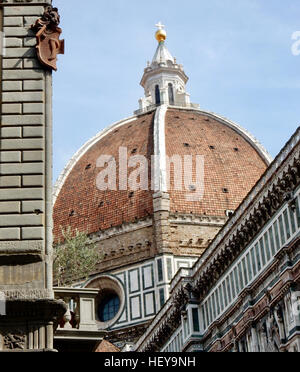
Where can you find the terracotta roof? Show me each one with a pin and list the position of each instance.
(106, 347)
(81, 205)
(232, 167)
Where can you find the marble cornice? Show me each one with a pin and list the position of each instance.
(191, 219)
(121, 229)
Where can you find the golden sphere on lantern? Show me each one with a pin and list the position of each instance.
(160, 35)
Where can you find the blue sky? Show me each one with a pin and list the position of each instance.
(237, 54)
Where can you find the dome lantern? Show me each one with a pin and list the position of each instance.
(164, 80)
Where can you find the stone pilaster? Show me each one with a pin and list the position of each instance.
(161, 209)
(25, 184)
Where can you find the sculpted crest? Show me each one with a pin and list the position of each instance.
(48, 33)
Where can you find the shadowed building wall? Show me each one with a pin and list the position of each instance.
(25, 184)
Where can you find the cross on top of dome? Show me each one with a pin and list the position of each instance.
(160, 26)
(161, 34)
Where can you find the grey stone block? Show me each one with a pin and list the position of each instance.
(33, 232)
(23, 10)
(11, 132)
(23, 245)
(11, 108)
(23, 97)
(24, 168)
(33, 108)
(13, 21)
(29, 41)
(20, 52)
(10, 207)
(10, 233)
(33, 156)
(23, 120)
(17, 31)
(22, 74)
(22, 144)
(33, 180)
(13, 42)
(28, 21)
(22, 194)
(12, 86)
(21, 220)
(33, 85)
(10, 156)
(32, 63)
(10, 181)
(12, 63)
(33, 131)
(33, 207)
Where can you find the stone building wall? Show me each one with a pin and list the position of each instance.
(190, 235)
(25, 150)
(25, 183)
(125, 245)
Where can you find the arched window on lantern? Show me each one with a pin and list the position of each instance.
(171, 94)
(157, 95)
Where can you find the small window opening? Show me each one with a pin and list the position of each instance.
(171, 94)
(229, 213)
(157, 95)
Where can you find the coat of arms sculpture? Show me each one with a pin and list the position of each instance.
(47, 35)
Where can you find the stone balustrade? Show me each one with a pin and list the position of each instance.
(79, 322)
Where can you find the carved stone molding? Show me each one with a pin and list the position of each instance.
(122, 229)
(30, 294)
(38, 309)
(192, 219)
(13, 339)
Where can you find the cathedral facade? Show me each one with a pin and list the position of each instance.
(243, 295)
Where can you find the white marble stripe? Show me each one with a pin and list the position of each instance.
(160, 165)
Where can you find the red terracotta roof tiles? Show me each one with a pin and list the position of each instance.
(81, 205)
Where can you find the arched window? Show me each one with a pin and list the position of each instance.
(171, 94)
(157, 95)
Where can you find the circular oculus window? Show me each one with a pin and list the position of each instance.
(110, 300)
(108, 307)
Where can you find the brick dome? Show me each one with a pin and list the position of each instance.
(234, 161)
